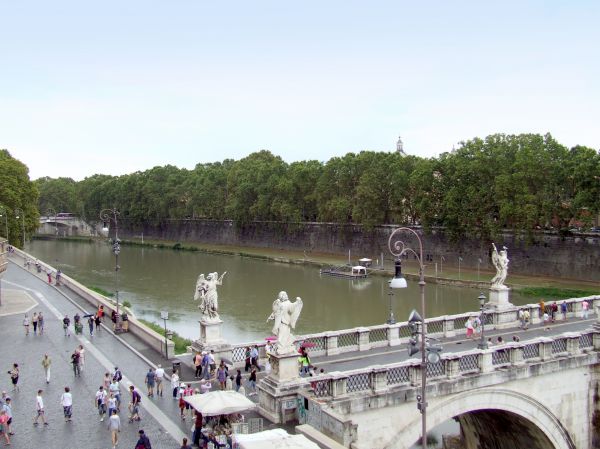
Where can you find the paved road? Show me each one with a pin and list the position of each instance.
(160, 415)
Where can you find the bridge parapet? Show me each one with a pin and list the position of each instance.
(377, 379)
(446, 326)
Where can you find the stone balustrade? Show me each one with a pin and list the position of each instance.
(378, 379)
(446, 326)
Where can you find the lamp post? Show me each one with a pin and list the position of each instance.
(165, 316)
(108, 215)
(398, 248)
(19, 212)
(482, 343)
(4, 213)
(52, 213)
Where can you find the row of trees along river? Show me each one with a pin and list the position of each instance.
(503, 181)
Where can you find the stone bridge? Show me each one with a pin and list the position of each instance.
(540, 392)
(64, 226)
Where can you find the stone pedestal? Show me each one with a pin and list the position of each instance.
(499, 298)
(211, 338)
(278, 392)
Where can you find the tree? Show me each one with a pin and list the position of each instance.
(18, 192)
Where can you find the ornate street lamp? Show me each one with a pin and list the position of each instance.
(108, 215)
(19, 213)
(398, 248)
(482, 342)
(397, 281)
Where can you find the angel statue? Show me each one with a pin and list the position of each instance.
(285, 314)
(500, 261)
(206, 292)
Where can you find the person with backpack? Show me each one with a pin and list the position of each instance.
(66, 321)
(134, 405)
(75, 358)
(143, 442)
(117, 375)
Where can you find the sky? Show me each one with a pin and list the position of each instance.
(115, 87)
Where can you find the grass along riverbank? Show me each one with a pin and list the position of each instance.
(181, 344)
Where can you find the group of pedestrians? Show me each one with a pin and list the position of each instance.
(36, 321)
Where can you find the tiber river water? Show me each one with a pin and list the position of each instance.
(153, 279)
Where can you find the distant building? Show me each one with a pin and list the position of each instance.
(400, 146)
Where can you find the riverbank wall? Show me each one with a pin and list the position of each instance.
(543, 254)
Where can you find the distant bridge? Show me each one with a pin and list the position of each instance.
(64, 226)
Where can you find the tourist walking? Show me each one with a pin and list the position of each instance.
(7, 407)
(563, 309)
(41, 323)
(212, 362)
(248, 359)
(222, 375)
(114, 425)
(134, 405)
(66, 322)
(542, 308)
(26, 322)
(159, 375)
(553, 310)
(150, 382)
(238, 381)
(174, 383)
(521, 318)
(81, 351)
(585, 307)
(101, 402)
(117, 375)
(143, 442)
(66, 400)
(184, 444)
(34, 322)
(197, 365)
(205, 366)
(14, 376)
(254, 355)
(106, 380)
(46, 362)
(49, 274)
(115, 390)
(252, 382)
(75, 363)
(91, 325)
(4, 426)
(526, 318)
(97, 320)
(39, 408)
(470, 327)
(58, 276)
(111, 404)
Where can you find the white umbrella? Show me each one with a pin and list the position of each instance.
(220, 402)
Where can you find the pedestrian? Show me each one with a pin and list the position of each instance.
(516, 338)
(143, 442)
(114, 425)
(181, 402)
(563, 309)
(546, 320)
(150, 382)
(184, 444)
(46, 362)
(175, 383)
(553, 310)
(252, 382)
(212, 362)
(248, 359)
(205, 386)
(26, 322)
(254, 356)
(499, 340)
(81, 351)
(4, 426)
(189, 391)
(39, 408)
(542, 308)
(111, 404)
(7, 407)
(14, 376)
(77, 324)
(98, 321)
(470, 327)
(41, 323)
(134, 405)
(198, 421)
(521, 318)
(197, 365)
(66, 322)
(58, 276)
(101, 402)
(526, 318)
(222, 375)
(585, 307)
(91, 325)
(304, 363)
(238, 381)
(106, 380)
(49, 273)
(75, 363)
(34, 322)
(159, 375)
(205, 365)
(66, 400)
(101, 312)
(117, 375)
(115, 390)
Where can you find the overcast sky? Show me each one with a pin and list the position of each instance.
(119, 86)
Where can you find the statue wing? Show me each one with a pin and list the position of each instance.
(296, 309)
(276, 315)
(199, 282)
(496, 259)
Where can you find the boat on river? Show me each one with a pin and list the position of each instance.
(345, 271)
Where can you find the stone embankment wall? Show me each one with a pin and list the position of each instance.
(548, 254)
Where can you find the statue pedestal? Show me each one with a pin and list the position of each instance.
(499, 298)
(277, 392)
(211, 338)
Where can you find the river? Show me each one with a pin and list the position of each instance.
(154, 279)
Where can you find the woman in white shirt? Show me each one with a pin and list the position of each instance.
(66, 400)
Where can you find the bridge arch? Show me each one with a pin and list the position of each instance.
(490, 403)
